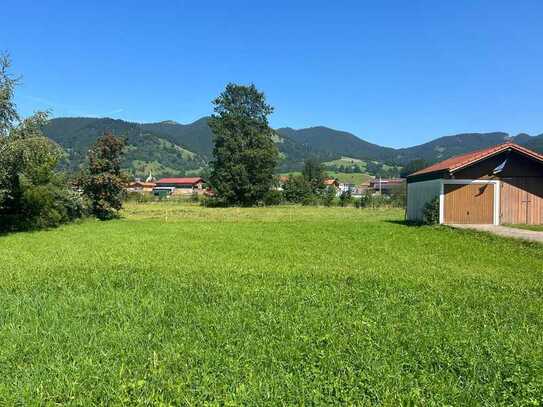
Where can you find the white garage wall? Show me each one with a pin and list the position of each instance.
(418, 195)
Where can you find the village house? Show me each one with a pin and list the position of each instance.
(386, 186)
(331, 182)
(179, 186)
(498, 185)
(281, 180)
(141, 186)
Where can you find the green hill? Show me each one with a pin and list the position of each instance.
(146, 151)
(165, 148)
(171, 148)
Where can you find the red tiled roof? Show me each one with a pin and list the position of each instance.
(143, 184)
(455, 163)
(193, 180)
(330, 181)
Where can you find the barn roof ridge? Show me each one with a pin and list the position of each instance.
(188, 180)
(460, 161)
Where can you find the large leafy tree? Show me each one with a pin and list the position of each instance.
(32, 193)
(313, 173)
(8, 111)
(245, 155)
(103, 182)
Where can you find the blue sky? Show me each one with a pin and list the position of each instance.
(396, 73)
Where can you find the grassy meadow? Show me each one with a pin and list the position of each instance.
(183, 305)
(349, 178)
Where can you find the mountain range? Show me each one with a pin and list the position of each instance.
(170, 148)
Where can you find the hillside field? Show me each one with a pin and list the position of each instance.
(350, 178)
(184, 305)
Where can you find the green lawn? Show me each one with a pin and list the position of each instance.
(187, 306)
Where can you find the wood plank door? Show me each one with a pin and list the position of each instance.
(522, 201)
(469, 203)
(534, 199)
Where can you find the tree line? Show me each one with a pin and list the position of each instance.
(34, 193)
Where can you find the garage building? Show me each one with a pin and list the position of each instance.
(499, 185)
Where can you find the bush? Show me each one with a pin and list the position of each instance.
(430, 212)
(74, 204)
(273, 197)
(380, 201)
(32, 194)
(103, 182)
(194, 197)
(213, 202)
(345, 199)
(139, 197)
(296, 189)
(311, 200)
(43, 206)
(329, 196)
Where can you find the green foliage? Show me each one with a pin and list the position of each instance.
(245, 155)
(195, 197)
(214, 202)
(103, 183)
(313, 173)
(140, 197)
(430, 212)
(345, 198)
(8, 110)
(297, 188)
(32, 194)
(311, 200)
(329, 196)
(273, 197)
(185, 305)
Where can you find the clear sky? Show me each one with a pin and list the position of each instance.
(397, 73)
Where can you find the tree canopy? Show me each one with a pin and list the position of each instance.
(103, 182)
(32, 193)
(313, 173)
(244, 152)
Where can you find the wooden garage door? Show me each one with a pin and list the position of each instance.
(471, 203)
(522, 200)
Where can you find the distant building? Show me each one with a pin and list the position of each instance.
(331, 182)
(141, 186)
(280, 181)
(346, 187)
(386, 186)
(180, 186)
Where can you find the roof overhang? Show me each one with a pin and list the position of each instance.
(443, 172)
(508, 148)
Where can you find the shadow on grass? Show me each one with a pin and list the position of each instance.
(408, 223)
(33, 230)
